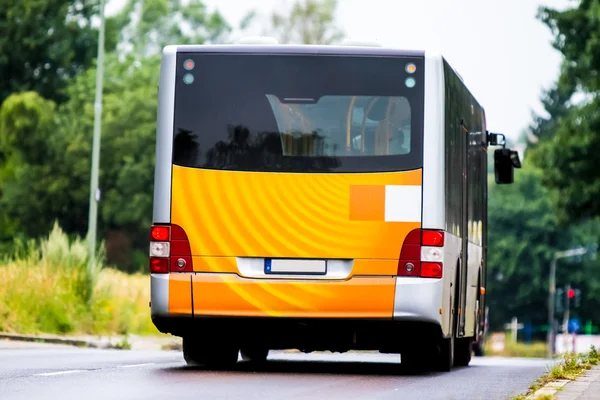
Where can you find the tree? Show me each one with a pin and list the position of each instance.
(309, 22)
(570, 138)
(524, 233)
(146, 26)
(45, 161)
(45, 43)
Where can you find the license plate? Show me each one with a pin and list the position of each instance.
(295, 267)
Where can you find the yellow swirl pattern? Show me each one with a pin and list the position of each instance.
(228, 214)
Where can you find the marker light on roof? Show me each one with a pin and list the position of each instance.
(188, 64)
(188, 79)
(411, 68)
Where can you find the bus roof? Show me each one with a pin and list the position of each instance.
(295, 49)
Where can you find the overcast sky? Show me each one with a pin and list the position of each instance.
(502, 51)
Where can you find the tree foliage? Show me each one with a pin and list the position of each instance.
(45, 148)
(524, 233)
(309, 22)
(45, 43)
(570, 135)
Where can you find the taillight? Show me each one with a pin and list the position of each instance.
(169, 250)
(160, 233)
(422, 254)
(432, 238)
(159, 265)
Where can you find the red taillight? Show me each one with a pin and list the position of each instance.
(410, 262)
(431, 269)
(159, 265)
(160, 233)
(177, 254)
(432, 238)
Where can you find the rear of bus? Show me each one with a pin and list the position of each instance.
(288, 197)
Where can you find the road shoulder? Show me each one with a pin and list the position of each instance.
(573, 376)
(587, 386)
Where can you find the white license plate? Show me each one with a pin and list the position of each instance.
(282, 266)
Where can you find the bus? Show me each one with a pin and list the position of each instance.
(320, 198)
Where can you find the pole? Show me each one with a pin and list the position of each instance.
(566, 316)
(94, 191)
(551, 293)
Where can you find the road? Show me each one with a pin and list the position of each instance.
(37, 371)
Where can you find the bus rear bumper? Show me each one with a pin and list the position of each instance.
(419, 299)
(362, 313)
(222, 295)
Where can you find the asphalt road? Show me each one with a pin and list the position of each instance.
(35, 371)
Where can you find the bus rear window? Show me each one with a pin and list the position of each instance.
(298, 113)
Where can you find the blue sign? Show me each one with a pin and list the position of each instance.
(574, 325)
(528, 331)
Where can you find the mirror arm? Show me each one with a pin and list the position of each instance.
(493, 139)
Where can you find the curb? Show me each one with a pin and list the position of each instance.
(49, 339)
(549, 389)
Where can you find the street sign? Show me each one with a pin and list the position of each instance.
(574, 325)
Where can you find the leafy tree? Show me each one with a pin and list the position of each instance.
(45, 161)
(309, 22)
(524, 234)
(147, 26)
(570, 137)
(45, 43)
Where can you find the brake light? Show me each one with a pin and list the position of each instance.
(432, 238)
(169, 250)
(431, 270)
(422, 254)
(160, 233)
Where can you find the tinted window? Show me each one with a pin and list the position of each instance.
(298, 113)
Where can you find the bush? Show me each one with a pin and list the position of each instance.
(47, 288)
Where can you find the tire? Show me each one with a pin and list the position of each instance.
(446, 358)
(209, 355)
(478, 349)
(462, 352)
(447, 346)
(255, 356)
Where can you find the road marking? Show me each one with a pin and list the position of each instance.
(134, 365)
(74, 371)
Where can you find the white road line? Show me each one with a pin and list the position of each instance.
(74, 371)
(134, 365)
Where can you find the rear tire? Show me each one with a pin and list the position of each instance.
(446, 355)
(197, 353)
(462, 352)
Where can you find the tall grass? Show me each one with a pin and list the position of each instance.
(519, 349)
(46, 288)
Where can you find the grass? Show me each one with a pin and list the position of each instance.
(47, 288)
(528, 350)
(569, 367)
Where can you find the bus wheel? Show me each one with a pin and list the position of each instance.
(463, 350)
(446, 354)
(255, 355)
(209, 354)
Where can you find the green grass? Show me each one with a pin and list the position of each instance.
(46, 288)
(528, 350)
(569, 367)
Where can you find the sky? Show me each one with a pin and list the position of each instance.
(501, 50)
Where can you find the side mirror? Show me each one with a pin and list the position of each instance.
(505, 161)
